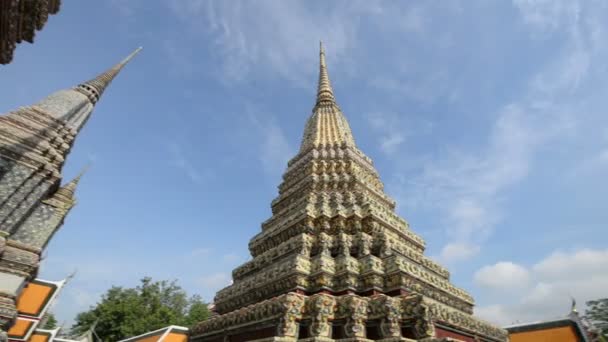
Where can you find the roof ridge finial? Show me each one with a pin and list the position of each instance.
(573, 305)
(95, 87)
(325, 94)
(84, 170)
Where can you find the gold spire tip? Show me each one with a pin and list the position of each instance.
(130, 56)
(84, 170)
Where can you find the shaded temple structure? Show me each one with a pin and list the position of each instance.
(335, 262)
(19, 21)
(34, 144)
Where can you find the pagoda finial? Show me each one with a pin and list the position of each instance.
(64, 198)
(325, 94)
(95, 87)
(69, 189)
(573, 306)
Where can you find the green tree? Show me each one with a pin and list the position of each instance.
(50, 322)
(125, 312)
(597, 314)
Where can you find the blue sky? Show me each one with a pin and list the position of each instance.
(486, 120)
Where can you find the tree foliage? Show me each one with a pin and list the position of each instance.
(597, 314)
(125, 312)
(50, 322)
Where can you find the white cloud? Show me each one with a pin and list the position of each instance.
(553, 281)
(456, 251)
(503, 275)
(215, 281)
(582, 262)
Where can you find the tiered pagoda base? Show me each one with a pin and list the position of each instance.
(347, 317)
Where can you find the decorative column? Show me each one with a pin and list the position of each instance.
(388, 310)
(365, 244)
(292, 305)
(414, 309)
(322, 308)
(355, 309)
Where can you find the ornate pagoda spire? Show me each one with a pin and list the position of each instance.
(94, 88)
(327, 126)
(325, 94)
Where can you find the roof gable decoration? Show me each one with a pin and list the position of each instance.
(172, 333)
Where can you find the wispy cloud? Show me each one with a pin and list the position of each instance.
(468, 186)
(273, 147)
(179, 160)
(503, 275)
(271, 36)
(548, 15)
(392, 133)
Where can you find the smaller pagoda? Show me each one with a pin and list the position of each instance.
(35, 142)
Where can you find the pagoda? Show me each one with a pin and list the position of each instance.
(335, 262)
(34, 144)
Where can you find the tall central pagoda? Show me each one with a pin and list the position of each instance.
(335, 262)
